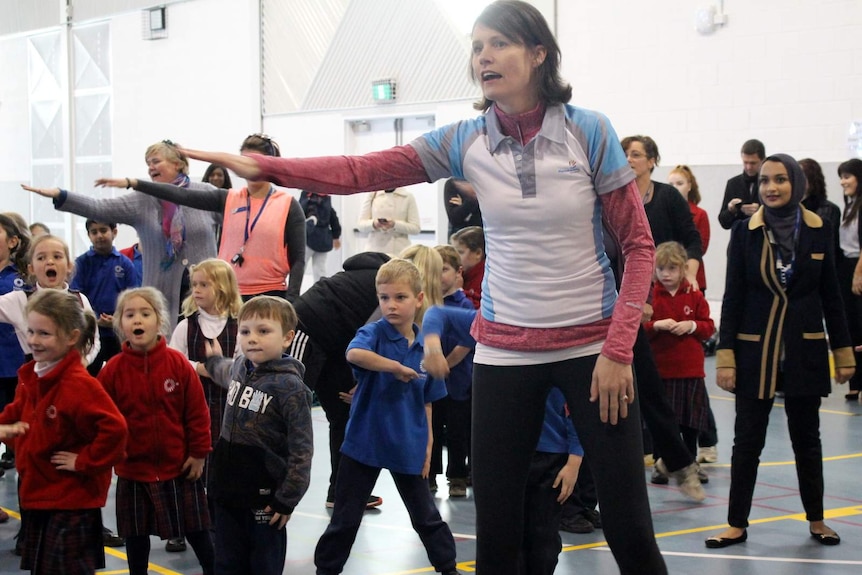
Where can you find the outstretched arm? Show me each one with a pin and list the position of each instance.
(393, 168)
(211, 199)
(242, 166)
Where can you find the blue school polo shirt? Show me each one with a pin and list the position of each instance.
(102, 278)
(387, 426)
(459, 384)
(11, 354)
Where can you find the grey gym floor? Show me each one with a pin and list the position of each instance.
(778, 537)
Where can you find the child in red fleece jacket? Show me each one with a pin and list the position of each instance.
(159, 491)
(68, 434)
(680, 322)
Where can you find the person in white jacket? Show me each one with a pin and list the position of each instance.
(389, 217)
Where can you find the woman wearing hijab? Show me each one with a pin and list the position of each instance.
(780, 287)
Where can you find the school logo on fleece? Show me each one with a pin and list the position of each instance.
(171, 385)
(248, 397)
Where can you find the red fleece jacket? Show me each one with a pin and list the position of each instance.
(68, 410)
(679, 356)
(163, 402)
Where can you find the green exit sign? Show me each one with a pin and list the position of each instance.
(383, 90)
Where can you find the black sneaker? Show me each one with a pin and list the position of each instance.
(593, 517)
(658, 478)
(175, 545)
(576, 524)
(109, 539)
(373, 501)
(7, 460)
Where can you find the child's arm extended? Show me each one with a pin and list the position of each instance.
(12, 430)
(12, 306)
(441, 320)
(367, 359)
(217, 367)
(426, 467)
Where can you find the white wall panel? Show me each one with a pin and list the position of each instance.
(24, 15)
(294, 39)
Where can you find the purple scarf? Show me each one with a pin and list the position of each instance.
(173, 225)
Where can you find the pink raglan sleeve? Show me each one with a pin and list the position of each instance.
(625, 217)
(384, 170)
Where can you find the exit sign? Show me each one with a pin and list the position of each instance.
(383, 90)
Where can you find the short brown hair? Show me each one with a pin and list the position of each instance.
(398, 270)
(450, 256)
(472, 236)
(650, 147)
(270, 307)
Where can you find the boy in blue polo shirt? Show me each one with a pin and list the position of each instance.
(101, 273)
(389, 426)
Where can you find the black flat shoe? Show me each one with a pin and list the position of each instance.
(826, 538)
(722, 542)
(852, 396)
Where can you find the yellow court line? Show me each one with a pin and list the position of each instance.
(828, 514)
(465, 566)
(110, 551)
(779, 463)
(470, 566)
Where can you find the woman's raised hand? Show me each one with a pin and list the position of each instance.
(47, 192)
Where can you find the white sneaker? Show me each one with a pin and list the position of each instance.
(707, 454)
(686, 478)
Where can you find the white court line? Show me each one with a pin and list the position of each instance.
(750, 558)
(407, 529)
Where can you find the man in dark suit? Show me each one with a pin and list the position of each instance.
(741, 196)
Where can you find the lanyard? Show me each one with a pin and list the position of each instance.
(249, 230)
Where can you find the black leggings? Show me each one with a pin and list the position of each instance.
(508, 410)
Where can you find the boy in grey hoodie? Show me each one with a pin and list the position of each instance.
(262, 461)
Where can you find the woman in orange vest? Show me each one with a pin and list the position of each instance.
(263, 228)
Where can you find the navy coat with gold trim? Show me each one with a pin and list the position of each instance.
(766, 328)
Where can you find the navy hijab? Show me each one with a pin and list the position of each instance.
(784, 222)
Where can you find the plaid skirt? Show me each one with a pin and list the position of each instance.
(168, 509)
(689, 401)
(62, 542)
